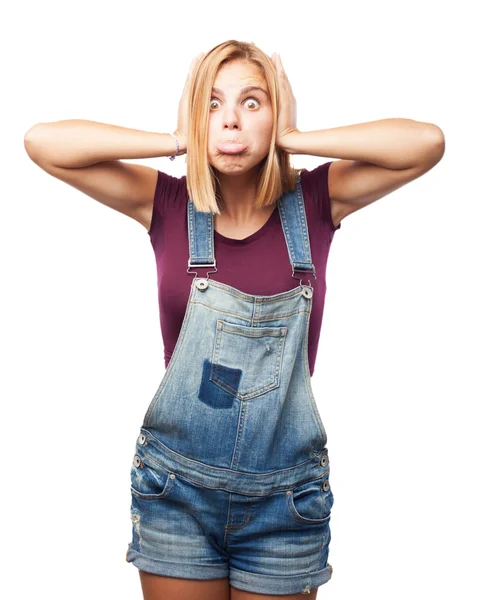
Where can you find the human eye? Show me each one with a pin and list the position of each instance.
(214, 99)
(255, 99)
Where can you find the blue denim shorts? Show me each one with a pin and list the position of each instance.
(187, 522)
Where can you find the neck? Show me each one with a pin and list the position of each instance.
(238, 193)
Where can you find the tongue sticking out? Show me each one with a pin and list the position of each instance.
(231, 148)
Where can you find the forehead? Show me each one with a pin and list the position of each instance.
(238, 74)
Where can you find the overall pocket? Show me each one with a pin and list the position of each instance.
(311, 502)
(247, 361)
(149, 480)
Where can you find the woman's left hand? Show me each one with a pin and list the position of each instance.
(287, 105)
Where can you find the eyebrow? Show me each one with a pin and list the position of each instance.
(245, 90)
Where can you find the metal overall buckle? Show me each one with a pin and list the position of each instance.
(307, 291)
(201, 282)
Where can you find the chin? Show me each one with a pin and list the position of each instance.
(233, 169)
(235, 164)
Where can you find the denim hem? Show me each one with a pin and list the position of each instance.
(271, 584)
(184, 569)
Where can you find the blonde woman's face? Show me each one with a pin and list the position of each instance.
(245, 116)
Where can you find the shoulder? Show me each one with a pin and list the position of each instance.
(170, 190)
(170, 193)
(316, 195)
(170, 196)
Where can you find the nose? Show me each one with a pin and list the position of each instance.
(231, 118)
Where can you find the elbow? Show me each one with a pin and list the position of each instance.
(30, 140)
(436, 143)
(440, 147)
(32, 132)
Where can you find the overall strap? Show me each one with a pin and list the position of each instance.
(295, 229)
(200, 238)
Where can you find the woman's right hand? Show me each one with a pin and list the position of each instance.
(181, 131)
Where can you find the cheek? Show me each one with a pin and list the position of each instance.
(265, 131)
(266, 122)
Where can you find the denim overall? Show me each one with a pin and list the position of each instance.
(231, 471)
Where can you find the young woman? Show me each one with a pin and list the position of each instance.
(230, 475)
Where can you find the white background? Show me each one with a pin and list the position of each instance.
(82, 356)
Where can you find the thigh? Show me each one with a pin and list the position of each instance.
(242, 595)
(159, 587)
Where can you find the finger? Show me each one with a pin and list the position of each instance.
(190, 72)
(194, 63)
(280, 65)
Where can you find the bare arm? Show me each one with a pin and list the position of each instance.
(86, 155)
(79, 143)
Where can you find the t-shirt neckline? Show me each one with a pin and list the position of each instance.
(250, 238)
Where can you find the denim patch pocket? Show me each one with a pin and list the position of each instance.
(246, 360)
(150, 481)
(311, 502)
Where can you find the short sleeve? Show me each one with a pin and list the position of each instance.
(170, 195)
(315, 188)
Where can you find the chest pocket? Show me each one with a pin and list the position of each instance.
(247, 361)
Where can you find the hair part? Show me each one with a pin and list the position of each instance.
(276, 175)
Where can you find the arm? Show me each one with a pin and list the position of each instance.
(79, 143)
(86, 155)
(376, 158)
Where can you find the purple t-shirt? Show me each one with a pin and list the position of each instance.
(258, 264)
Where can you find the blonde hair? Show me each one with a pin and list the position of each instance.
(277, 176)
